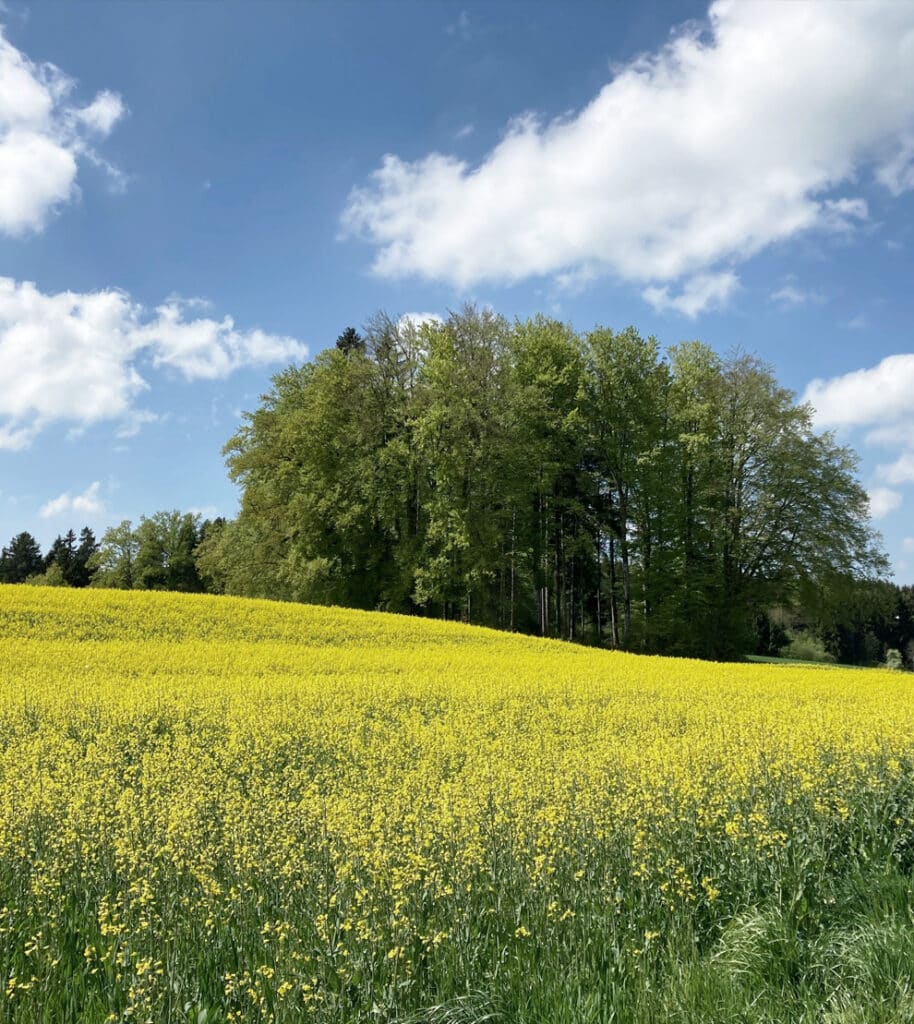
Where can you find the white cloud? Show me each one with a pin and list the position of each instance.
(77, 357)
(907, 545)
(702, 292)
(135, 420)
(789, 296)
(103, 113)
(883, 500)
(901, 471)
(88, 503)
(202, 348)
(688, 161)
(879, 399)
(892, 435)
(881, 394)
(897, 174)
(42, 138)
(418, 320)
(840, 214)
(204, 511)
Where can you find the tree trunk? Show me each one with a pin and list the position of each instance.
(599, 625)
(626, 573)
(613, 610)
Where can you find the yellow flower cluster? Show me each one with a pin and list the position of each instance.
(263, 811)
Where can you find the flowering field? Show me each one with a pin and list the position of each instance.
(216, 810)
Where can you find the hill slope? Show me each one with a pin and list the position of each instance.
(225, 810)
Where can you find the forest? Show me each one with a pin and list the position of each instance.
(525, 476)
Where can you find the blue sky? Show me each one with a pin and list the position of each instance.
(194, 195)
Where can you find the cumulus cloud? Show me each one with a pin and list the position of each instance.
(43, 136)
(736, 135)
(201, 348)
(881, 394)
(702, 292)
(883, 500)
(88, 503)
(880, 401)
(77, 357)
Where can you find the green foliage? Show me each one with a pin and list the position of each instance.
(113, 564)
(806, 647)
(528, 477)
(159, 554)
(53, 576)
(893, 659)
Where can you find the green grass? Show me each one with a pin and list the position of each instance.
(765, 659)
(843, 953)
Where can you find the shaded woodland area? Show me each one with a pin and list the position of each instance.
(584, 486)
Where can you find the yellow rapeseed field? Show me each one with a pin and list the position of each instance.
(215, 809)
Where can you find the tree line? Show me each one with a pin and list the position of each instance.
(522, 475)
(526, 476)
(159, 553)
(67, 563)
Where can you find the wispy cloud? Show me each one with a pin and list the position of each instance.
(461, 27)
(792, 296)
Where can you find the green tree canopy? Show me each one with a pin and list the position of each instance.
(526, 476)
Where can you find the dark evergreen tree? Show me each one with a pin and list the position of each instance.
(350, 341)
(21, 559)
(62, 553)
(81, 575)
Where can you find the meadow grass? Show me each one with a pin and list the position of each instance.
(218, 810)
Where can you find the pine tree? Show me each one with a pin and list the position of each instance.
(21, 559)
(350, 341)
(63, 554)
(81, 574)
